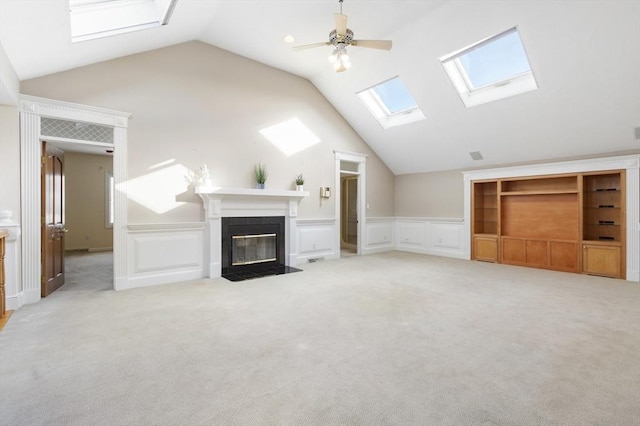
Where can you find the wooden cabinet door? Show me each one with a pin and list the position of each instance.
(485, 248)
(601, 260)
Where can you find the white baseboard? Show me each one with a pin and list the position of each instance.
(15, 302)
(166, 277)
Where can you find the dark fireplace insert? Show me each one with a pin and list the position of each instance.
(253, 247)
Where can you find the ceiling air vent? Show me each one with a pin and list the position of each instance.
(476, 155)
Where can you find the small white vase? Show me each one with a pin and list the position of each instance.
(260, 185)
(299, 187)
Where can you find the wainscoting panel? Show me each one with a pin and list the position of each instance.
(411, 235)
(435, 236)
(446, 239)
(316, 239)
(164, 253)
(379, 235)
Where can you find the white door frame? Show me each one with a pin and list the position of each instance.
(361, 160)
(31, 110)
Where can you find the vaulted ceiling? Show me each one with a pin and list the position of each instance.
(585, 56)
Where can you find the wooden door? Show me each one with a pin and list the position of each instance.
(52, 216)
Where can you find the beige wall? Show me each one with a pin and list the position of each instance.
(85, 201)
(438, 194)
(10, 160)
(192, 104)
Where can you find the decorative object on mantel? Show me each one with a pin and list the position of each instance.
(202, 177)
(300, 182)
(260, 172)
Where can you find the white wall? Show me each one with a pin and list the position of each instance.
(85, 201)
(437, 194)
(192, 104)
(9, 164)
(9, 82)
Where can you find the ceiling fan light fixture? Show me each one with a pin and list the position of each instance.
(340, 59)
(342, 37)
(333, 57)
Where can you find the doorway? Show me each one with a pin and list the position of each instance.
(348, 215)
(350, 202)
(84, 220)
(80, 125)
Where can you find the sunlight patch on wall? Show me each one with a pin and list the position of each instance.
(162, 164)
(158, 190)
(290, 136)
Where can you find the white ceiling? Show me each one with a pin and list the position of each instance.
(584, 54)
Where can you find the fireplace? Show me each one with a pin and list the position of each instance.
(253, 247)
(221, 203)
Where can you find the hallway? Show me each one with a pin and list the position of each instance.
(88, 272)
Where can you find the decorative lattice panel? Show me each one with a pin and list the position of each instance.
(74, 130)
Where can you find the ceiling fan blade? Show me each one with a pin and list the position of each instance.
(373, 44)
(341, 23)
(312, 45)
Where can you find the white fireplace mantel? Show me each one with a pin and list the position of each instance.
(242, 202)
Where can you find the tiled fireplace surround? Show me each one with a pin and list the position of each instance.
(240, 202)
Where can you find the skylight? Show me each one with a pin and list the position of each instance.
(290, 136)
(91, 19)
(491, 69)
(391, 103)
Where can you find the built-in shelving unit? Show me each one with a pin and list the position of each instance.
(485, 221)
(603, 224)
(542, 222)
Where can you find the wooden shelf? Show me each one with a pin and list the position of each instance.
(602, 243)
(541, 192)
(485, 208)
(603, 224)
(543, 185)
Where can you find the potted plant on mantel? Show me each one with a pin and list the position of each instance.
(260, 173)
(299, 182)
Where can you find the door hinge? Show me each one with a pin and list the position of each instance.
(43, 160)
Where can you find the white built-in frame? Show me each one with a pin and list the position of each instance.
(32, 109)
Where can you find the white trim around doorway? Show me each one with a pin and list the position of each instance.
(360, 160)
(32, 109)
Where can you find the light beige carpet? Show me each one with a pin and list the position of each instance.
(388, 339)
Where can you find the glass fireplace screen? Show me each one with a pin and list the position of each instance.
(252, 249)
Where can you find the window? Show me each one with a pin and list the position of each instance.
(109, 207)
(492, 69)
(91, 19)
(391, 103)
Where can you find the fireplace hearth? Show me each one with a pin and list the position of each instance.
(253, 247)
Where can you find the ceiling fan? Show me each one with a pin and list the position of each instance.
(340, 39)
